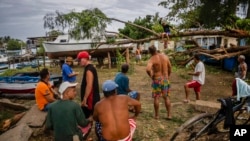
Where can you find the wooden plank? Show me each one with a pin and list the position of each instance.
(34, 117)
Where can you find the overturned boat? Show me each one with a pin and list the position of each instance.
(24, 84)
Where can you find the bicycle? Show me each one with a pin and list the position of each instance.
(207, 123)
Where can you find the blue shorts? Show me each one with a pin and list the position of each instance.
(133, 94)
(167, 32)
(46, 107)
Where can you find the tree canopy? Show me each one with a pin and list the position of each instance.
(150, 22)
(91, 23)
(204, 13)
(14, 44)
(86, 24)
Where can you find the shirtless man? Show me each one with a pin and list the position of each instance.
(242, 72)
(159, 69)
(242, 68)
(113, 122)
(138, 54)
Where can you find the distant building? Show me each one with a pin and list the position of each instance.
(34, 42)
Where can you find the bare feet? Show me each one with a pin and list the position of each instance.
(156, 117)
(89, 139)
(169, 118)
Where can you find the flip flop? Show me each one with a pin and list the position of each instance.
(156, 117)
(186, 101)
(168, 118)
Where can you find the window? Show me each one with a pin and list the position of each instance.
(63, 41)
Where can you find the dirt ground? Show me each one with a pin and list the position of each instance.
(217, 85)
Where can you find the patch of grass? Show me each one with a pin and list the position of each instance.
(213, 70)
(184, 76)
(191, 110)
(175, 68)
(5, 114)
(178, 120)
(161, 132)
(10, 72)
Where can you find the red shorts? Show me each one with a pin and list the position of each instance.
(194, 84)
(234, 88)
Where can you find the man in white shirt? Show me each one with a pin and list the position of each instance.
(198, 79)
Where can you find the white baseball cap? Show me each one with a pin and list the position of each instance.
(66, 85)
(242, 57)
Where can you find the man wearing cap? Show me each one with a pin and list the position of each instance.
(64, 116)
(90, 86)
(113, 121)
(67, 73)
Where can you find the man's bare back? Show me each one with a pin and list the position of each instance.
(113, 114)
(137, 52)
(159, 65)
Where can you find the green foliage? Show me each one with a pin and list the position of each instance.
(178, 8)
(110, 40)
(41, 50)
(203, 13)
(86, 24)
(11, 72)
(4, 39)
(145, 57)
(148, 22)
(13, 45)
(54, 33)
(243, 24)
(120, 59)
(157, 28)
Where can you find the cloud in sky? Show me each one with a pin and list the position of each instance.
(24, 18)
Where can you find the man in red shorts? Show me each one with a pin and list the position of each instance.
(198, 79)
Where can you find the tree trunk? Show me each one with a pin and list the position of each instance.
(109, 60)
(127, 56)
(248, 10)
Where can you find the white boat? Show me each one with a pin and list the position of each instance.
(46, 60)
(3, 58)
(65, 46)
(3, 67)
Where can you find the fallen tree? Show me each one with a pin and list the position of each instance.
(95, 23)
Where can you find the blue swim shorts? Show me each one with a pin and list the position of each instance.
(133, 94)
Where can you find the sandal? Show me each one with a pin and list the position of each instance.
(186, 101)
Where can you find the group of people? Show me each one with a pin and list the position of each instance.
(70, 121)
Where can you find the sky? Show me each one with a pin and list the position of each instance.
(21, 19)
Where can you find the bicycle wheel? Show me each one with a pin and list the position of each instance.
(242, 117)
(188, 131)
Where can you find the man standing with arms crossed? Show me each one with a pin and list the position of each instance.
(159, 70)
